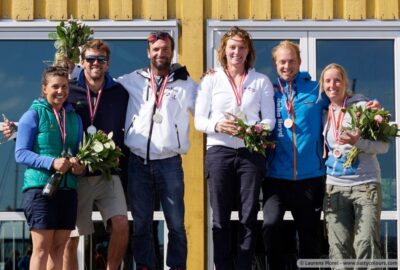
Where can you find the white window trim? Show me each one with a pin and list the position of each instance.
(103, 29)
(308, 31)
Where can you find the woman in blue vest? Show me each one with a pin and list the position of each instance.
(46, 132)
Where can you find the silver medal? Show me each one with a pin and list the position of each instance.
(337, 153)
(91, 130)
(288, 123)
(157, 118)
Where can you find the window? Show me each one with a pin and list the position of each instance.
(367, 50)
(26, 52)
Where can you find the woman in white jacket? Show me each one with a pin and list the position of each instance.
(233, 173)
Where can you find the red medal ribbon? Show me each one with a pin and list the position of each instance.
(288, 100)
(92, 111)
(61, 125)
(158, 99)
(336, 124)
(238, 91)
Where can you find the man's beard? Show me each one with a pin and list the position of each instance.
(161, 66)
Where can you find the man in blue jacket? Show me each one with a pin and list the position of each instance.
(296, 174)
(295, 177)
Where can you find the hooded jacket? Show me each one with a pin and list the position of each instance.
(111, 110)
(299, 149)
(151, 140)
(366, 168)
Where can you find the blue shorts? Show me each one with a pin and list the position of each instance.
(56, 213)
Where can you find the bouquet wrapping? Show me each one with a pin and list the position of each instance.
(98, 152)
(256, 137)
(373, 125)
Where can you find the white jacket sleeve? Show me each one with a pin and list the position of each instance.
(202, 121)
(268, 104)
(192, 94)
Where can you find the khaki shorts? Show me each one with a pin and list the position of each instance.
(107, 195)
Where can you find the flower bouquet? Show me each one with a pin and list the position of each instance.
(374, 125)
(256, 137)
(68, 37)
(99, 153)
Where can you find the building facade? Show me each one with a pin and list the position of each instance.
(362, 35)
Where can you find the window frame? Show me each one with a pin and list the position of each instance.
(308, 32)
(103, 29)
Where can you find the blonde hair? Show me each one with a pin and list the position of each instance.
(342, 73)
(287, 44)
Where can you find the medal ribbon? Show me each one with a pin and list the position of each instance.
(336, 124)
(92, 111)
(238, 91)
(158, 98)
(288, 100)
(61, 125)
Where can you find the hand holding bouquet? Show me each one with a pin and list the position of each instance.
(372, 124)
(68, 37)
(256, 137)
(98, 152)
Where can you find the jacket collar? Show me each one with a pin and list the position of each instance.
(177, 72)
(108, 80)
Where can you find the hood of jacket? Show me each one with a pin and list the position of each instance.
(177, 72)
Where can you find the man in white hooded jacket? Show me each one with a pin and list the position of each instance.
(161, 98)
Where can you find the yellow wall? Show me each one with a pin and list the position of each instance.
(192, 15)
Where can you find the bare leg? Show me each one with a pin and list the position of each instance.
(70, 261)
(41, 241)
(55, 260)
(118, 242)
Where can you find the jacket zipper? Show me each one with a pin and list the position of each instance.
(150, 134)
(151, 126)
(294, 148)
(177, 136)
(130, 126)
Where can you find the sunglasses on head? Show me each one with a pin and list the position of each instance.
(153, 37)
(92, 58)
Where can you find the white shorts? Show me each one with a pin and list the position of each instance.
(107, 195)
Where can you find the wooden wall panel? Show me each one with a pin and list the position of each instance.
(5, 9)
(56, 10)
(275, 9)
(88, 9)
(260, 9)
(215, 9)
(322, 10)
(338, 9)
(173, 8)
(291, 9)
(191, 54)
(244, 9)
(22, 10)
(155, 10)
(227, 9)
(355, 9)
(387, 9)
(120, 9)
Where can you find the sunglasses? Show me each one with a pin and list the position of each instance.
(100, 58)
(153, 37)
